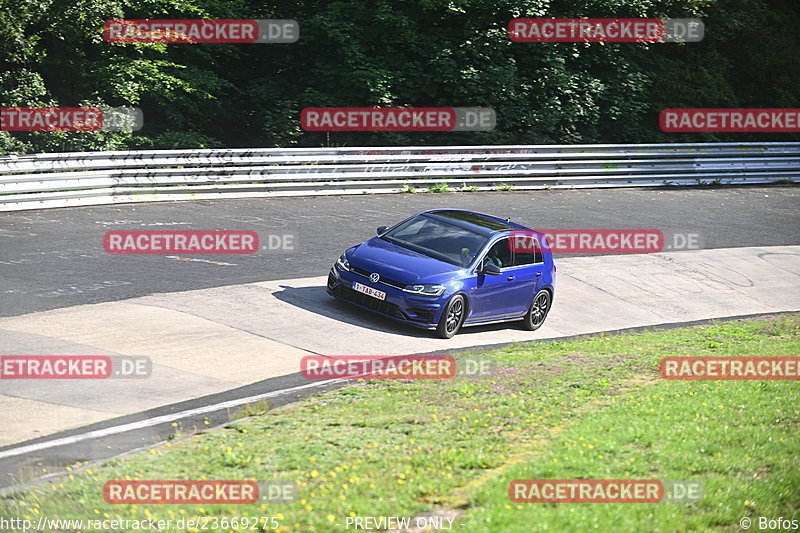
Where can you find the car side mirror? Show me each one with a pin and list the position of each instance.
(491, 269)
(381, 229)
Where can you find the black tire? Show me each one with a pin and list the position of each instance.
(537, 313)
(452, 317)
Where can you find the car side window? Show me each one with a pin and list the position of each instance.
(499, 254)
(529, 254)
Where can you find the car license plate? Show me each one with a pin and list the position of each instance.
(369, 291)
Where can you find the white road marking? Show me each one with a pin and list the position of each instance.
(179, 258)
(155, 421)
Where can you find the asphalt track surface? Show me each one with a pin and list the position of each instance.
(51, 259)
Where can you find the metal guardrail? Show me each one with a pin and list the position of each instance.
(95, 178)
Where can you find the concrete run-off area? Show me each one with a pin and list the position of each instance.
(211, 340)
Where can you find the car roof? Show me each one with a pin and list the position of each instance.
(472, 220)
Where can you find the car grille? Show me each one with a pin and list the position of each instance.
(369, 302)
(388, 282)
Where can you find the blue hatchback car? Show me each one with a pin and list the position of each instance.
(447, 268)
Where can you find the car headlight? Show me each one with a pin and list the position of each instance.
(425, 290)
(343, 263)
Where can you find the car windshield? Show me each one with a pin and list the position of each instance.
(437, 239)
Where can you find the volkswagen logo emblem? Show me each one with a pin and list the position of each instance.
(374, 277)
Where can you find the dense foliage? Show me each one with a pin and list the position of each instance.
(392, 53)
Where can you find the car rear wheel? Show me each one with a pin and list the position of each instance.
(452, 318)
(538, 311)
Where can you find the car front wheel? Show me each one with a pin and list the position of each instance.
(452, 318)
(538, 311)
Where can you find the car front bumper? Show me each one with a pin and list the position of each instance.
(417, 311)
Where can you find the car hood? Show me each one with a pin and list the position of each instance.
(400, 264)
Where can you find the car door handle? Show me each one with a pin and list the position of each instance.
(510, 278)
(538, 274)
